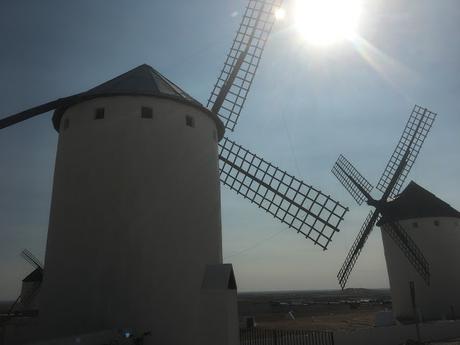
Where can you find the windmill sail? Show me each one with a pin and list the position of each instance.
(302, 207)
(391, 181)
(230, 91)
(357, 247)
(352, 180)
(412, 138)
(29, 113)
(31, 259)
(410, 249)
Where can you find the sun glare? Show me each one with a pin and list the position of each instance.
(325, 22)
(280, 13)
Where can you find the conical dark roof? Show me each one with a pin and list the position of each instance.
(35, 276)
(416, 202)
(141, 80)
(144, 81)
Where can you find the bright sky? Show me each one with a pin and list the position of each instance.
(309, 103)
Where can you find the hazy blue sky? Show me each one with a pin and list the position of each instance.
(307, 105)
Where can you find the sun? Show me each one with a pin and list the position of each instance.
(280, 13)
(324, 22)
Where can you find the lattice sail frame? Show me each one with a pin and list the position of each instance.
(409, 249)
(357, 247)
(341, 169)
(248, 46)
(412, 138)
(31, 259)
(296, 204)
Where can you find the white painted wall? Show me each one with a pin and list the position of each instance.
(440, 245)
(30, 290)
(219, 317)
(135, 218)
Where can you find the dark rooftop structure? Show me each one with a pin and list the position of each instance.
(416, 202)
(143, 80)
(35, 276)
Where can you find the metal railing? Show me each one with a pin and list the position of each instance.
(262, 336)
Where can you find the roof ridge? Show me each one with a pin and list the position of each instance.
(150, 74)
(118, 77)
(181, 92)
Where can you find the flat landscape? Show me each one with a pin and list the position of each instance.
(308, 310)
(315, 310)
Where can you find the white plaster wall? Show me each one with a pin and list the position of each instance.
(219, 317)
(135, 217)
(440, 245)
(30, 292)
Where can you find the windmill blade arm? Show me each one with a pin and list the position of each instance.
(411, 141)
(229, 82)
(31, 259)
(410, 249)
(29, 113)
(231, 89)
(357, 247)
(396, 176)
(302, 207)
(355, 183)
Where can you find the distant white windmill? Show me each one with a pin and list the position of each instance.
(27, 302)
(420, 232)
(134, 238)
(435, 227)
(390, 183)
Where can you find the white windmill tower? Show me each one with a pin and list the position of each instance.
(420, 232)
(435, 227)
(134, 237)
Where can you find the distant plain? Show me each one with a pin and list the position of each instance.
(315, 310)
(308, 310)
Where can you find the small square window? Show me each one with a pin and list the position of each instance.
(147, 113)
(66, 124)
(415, 224)
(189, 121)
(99, 113)
(436, 222)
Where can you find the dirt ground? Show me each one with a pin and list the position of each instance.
(315, 310)
(332, 321)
